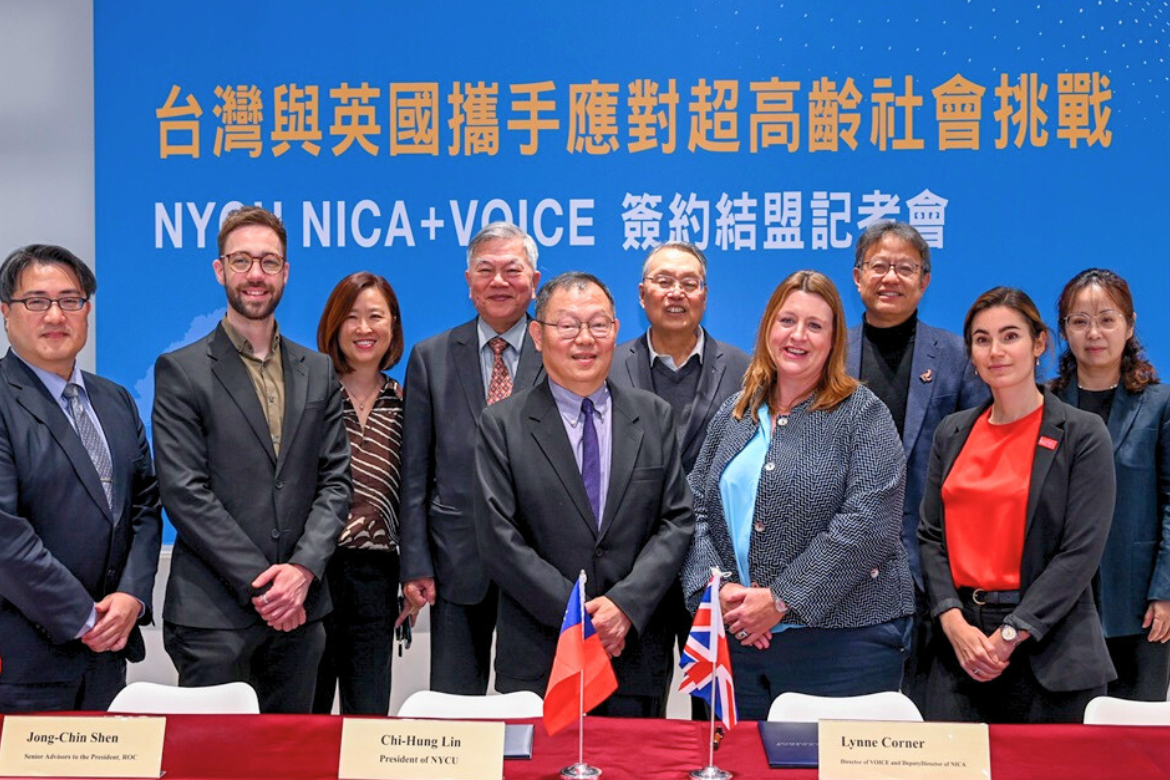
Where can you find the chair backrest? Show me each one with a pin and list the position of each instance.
(235, 698)
(1107, 710)
(803, 708)
(432, 704)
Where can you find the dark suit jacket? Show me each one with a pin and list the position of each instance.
(1070, 503)
(722, 376)
(537, 531)
(61, 548)
(444, 399)
(950, 386)
(237, 507)
(1136, 566)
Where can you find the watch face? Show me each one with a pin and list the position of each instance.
(1008, 633)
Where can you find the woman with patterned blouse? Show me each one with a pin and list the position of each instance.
(361, 330)
(798, 496)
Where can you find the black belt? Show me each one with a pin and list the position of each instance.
(982, 597)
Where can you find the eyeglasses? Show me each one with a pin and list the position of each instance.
(569, 329)
(690, 285)
(1107, 321)
(41, 305)
(880, 268)
(241, 263)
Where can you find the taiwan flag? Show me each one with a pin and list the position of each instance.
(579, 652)
(706, 661)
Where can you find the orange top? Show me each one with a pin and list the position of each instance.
(985, 501)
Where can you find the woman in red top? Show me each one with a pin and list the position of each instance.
(1018, 501)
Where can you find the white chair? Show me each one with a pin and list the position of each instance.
(235, 698)
(432, 704)
(1107, 710)
(803, 708)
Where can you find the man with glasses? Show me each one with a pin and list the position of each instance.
(579, 474)
(921, 373)
(80, 524)
(253, 464)
(450, 379)
(678, 360)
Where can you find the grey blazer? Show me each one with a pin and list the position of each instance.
(830, 506)
(443, 401)
(237, 507)
(1070, 506)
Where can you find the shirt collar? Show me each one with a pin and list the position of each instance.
(569, 403)
(700, 343)
(53, 382)
(513, 335)
(243, 346)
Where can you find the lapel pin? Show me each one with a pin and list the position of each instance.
(927, 376)
(1047, 443)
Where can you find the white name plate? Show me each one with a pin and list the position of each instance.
(33, 746)
(889, 750)
(376, 749)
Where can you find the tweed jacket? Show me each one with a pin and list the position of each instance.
(828, 518)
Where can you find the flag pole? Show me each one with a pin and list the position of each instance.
(712, 772)
(581, 578)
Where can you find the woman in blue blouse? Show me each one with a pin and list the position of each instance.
(1104, 370)
(798, 495)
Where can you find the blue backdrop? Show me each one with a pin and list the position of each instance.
(1026, 141)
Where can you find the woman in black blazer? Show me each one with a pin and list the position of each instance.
(1018, 501)
(1104, 370)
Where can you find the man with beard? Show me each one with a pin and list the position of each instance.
(253, 465)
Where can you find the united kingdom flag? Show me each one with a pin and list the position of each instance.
(706, 661)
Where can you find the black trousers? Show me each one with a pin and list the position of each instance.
(104, 676)
(1143, 668)
(1016, 696)
(359, 633)
(461, 644)
(280, 665)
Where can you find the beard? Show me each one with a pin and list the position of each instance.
(254, 310)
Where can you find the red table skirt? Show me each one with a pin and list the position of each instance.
(292, 747)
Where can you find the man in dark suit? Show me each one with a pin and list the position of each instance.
(678, 360)
(80, 524)
(580, 474)
(450, 379)
(253, 462)
(921, 373)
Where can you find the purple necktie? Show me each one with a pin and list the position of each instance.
(591, 460)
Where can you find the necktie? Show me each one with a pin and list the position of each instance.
(92, 440)
(591, 460)
(500, 386)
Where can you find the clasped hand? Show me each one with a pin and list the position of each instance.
(610, 622)
(282, 605)
(751, 610)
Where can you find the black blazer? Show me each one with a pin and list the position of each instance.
(537, 531)
(61, 548)
(237, 507)
(722, 377)
(1070, 506)
(444, 398)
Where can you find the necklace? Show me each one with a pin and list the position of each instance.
(1103, 390)
(361, 402)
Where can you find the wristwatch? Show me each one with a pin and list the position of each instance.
(1009, 633)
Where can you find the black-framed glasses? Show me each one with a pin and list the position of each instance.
(41, 305)
(241, 263)
(569, 329)
(690, 284)
(880, 268)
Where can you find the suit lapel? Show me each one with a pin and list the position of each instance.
(296, 392)
(853, 354)
(922, 363)
(531, 367)
(31, 394)
(1126, 406)
(465, 364)
(638, 365)
(228, 368)
(550, 436)
(625, 442)
(1051, 427)
(710, 375)
(110, 414)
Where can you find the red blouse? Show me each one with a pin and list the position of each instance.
(985, 502)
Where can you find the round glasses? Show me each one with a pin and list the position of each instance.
(241, 263)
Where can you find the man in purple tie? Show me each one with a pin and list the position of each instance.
(579, 474)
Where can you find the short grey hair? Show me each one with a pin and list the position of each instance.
(569, 280)
(879, 230)
(43, 254)
(502, 231)
(681, 246)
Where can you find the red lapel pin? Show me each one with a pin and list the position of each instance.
(1047, 443)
